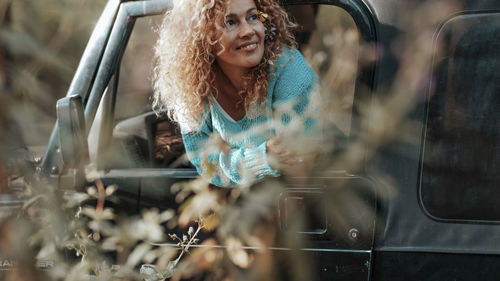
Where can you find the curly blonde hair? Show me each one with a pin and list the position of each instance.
(184, 75)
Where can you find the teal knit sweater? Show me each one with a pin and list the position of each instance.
(229, 152)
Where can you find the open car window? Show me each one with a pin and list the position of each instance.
(327, 36)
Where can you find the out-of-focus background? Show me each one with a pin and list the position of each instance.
(40, 46)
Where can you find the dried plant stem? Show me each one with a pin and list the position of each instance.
(188, 245)
(102, 196)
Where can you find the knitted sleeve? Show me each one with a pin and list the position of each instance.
(223, 165)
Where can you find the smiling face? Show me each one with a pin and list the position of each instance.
(242, 37)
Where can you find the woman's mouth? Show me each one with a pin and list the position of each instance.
(248, 47)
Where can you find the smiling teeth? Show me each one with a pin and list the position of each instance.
(249, 46)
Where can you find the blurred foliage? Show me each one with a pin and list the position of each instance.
(40, 45)
(77, 236)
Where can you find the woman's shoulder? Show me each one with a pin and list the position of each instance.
(293, 77)
(201, 125)
(291, 63)
(288, 55)
(293, 67)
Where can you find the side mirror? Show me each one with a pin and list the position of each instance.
(72, 132)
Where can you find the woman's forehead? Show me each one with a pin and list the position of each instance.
(238, 7)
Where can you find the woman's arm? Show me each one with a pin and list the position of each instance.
(295, 92)
(296, 111)
(222, 164)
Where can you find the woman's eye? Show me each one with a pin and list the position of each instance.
(230, 22)
(254, 17)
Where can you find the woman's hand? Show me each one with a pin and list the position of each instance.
(286, 161)
(280, 155)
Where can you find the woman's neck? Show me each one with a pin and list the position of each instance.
(233, 76)
(229, 87)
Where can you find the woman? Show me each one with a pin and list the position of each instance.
(226, 70)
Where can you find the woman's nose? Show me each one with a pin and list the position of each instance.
(246, 29)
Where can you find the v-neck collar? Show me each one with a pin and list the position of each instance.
(223, 112)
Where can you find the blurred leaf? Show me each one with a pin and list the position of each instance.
(236, 253)
(166, 215)
(75, 198)
(149, 226)
(150, 273)
(90, 212)
(47, 252)
(165, 255)
(110, 243)
(107, 214)
(197, 207)
(137, 254)
(78, 272)
(210, 222)
(170, 270)
(111, 189)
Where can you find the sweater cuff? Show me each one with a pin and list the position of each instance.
(256, 162)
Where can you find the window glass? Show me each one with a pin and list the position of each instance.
(329, 40)
(460, 172)
(135, 124)
(136, 68)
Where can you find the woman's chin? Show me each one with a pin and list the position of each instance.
(253, 61)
